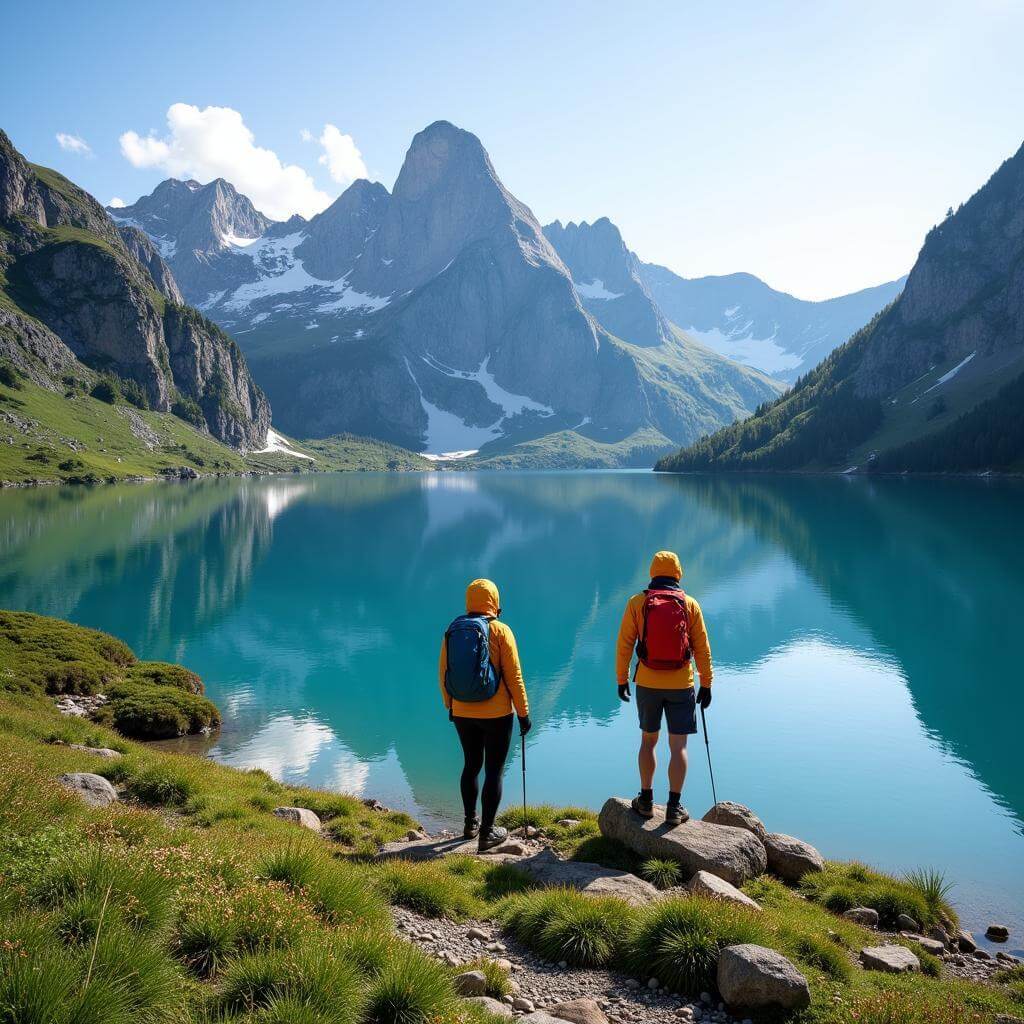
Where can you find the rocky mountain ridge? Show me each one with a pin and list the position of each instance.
(81, 298)
(741, 317)
(440, 317)
(932, 382)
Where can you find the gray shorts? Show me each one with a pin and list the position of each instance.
(678, 706)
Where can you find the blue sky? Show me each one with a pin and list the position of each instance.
(812, 144)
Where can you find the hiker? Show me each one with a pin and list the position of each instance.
(666, 627)
(481, 684)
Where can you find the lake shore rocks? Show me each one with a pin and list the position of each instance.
(728, 812)
(997, 932)
(753, 977)
(891, 959)
(299, 816)
(704, 883)
(730, 853)
(92, 789)
(791, 858)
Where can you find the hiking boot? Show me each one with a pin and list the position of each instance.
(676, 814)
(471, 829)
(493, 837)
(644, 806)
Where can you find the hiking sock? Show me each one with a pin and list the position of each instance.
(674, 798)
(646, 794)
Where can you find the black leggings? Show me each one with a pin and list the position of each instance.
(485, 743)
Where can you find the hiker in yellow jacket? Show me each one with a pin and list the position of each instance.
(483, 717)
(666, 628)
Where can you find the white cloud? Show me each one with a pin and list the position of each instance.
(216, 143)
(74, 144)
(116, 203)
(343, 161)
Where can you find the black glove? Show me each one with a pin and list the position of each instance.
(525, 725)
(704, 697)
(624, 692)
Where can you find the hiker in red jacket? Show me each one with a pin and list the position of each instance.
(666, 628)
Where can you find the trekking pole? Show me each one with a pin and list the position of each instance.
(522, 737)
(707, 746)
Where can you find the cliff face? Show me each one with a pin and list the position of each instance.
(73, 288)
(931, 383)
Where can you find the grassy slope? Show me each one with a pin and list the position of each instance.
(211, 905)
(36, 426)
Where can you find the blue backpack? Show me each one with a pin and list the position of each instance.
(470, 677)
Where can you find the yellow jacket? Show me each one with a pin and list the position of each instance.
(665, 564)
(482, 599)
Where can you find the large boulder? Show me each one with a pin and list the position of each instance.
(791, 858)
(891, 959)
(93, 789)
(730, 853)
(728, 812)
(300, 816)
(580, 1011)
(752, 977)
(706, 884)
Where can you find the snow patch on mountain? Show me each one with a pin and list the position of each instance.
(596, 290)
(511, 404)
(282, 272)
(741, 345)
(448, 436)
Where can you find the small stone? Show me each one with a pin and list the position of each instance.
(1006, 958)
(891, 959)
(727, 812)
(495, 947)
(653, 983)
(966, 941)
(579, 1011)
(299, 816)
(93, 789)
(907, 923)
(938, 934)
(863, 915)
(105, 752)
(522, 1004)
(471, 983)
(932, 946)
(982, 954)
(511, 847)
(478, 934)
(567, 822)
(499, 1009)
(632, 983)
(997, 932)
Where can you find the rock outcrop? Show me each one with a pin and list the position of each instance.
(730, 853)
(84, 297)
(755, 977)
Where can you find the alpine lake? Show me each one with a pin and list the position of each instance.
(867, 637)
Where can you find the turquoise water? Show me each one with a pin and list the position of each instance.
(867, 637)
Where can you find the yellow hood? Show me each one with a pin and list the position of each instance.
(666, 563)
(482, 598)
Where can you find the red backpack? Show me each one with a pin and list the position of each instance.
(665, 640)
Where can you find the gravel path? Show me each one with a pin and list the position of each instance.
(622, 998)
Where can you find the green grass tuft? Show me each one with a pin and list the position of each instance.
(661, 873)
